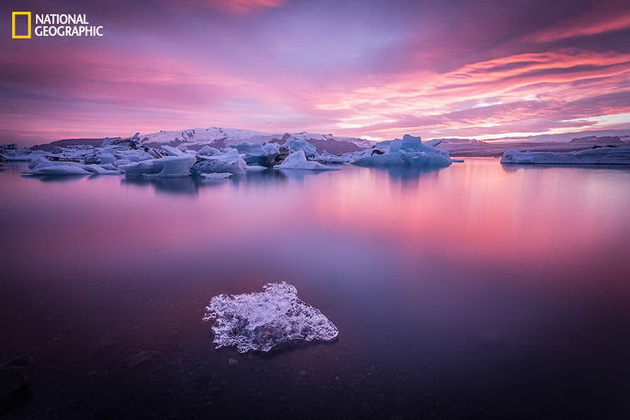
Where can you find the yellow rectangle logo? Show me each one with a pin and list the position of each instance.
(28, 32)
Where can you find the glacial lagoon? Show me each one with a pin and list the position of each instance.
(477, 290)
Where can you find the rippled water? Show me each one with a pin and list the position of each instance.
(473, 291)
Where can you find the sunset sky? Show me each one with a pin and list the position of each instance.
(375, 69)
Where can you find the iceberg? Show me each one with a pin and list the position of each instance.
(100, 157)
(168, 166)
(107, 169)
(266, 154)
(59, 169)
(297, 160)
(329, 158)
(21, 155)
(208, 151)
(221, 162)
(260, 321)
(595, 156)
(406, 152)
(295, 145)
(43, 166)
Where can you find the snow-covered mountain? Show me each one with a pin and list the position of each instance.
(195, 139)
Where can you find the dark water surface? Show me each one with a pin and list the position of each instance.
(476, 291)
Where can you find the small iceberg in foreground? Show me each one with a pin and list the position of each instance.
(262, 320)
(596, 156)
(408, 152)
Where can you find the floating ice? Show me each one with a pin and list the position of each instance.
(267, 154)
(297, 160)
(262, 320)
(169, 166)
(230, 161)
(598, 156)
(21, 155)
(296, 145)
(58, 169)
(408, 152)
(43, 166)
(328, 158)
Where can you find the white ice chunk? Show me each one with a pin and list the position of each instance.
(21, 155)
(406, 152)
(100, 157)
(598, 156)
(230, 161)
(267, 154)
(43, 166)
(296, 145)
(209, 151)
(327, 158)
(132, 155)
(58, 169)
(262, 320)
(169, 166)
(172, 151)
(297, 160)
(101, 169)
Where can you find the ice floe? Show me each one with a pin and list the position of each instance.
(44, 166)
(596, 156)
(262, 320)
(219, 162)
(329, 158)
(406, 152)
(297, 160)
(168, 166)
(266, 154)
(295, 145)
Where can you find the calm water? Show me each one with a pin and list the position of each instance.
(475, 291)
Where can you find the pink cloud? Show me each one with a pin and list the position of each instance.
(233, 6)
(597, 21)
(536, 87)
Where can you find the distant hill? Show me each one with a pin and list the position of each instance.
(598, 140)
(564, 142)
(47, 147)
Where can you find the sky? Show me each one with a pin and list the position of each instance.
(373, 69)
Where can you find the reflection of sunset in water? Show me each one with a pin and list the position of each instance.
(476, 280)
(481, 209)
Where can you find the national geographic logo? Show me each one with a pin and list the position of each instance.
(14, 17)
(52, 25)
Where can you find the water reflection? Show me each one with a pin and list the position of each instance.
(299, 175)
(58, 179)
(179, 185)
(473, 277)
(405, 175)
